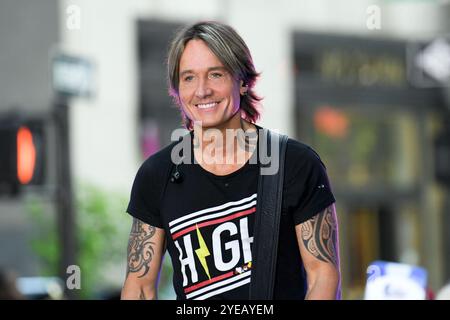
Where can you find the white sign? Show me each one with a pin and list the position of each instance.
(429, 64)
(72, 76)
(395, 281)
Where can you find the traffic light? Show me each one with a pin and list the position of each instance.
(21, 153)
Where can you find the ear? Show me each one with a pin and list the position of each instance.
(243, 88)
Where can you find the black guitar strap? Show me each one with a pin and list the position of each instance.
(267, 221)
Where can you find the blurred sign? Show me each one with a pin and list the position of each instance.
(41, 287)
(360, 67)
(395, 281)
(72, 76)
(429, 64)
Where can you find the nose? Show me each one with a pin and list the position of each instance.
(203, 90)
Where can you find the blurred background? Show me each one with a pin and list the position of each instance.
(83, 101)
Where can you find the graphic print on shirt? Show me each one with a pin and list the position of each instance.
(214, 246)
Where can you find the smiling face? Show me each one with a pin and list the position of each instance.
(207, 91)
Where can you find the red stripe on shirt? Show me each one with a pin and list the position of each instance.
(210, 281)
(211, 222)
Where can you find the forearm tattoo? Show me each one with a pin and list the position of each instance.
(319, 235)
(140, 248)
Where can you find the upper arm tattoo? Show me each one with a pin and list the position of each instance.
(320, 236)
(140, 247)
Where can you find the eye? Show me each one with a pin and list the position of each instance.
(216, 75)
(188, 78)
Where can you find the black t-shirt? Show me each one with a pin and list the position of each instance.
(209, 220)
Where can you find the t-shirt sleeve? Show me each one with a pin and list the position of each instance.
(145, 197)
(307, 189)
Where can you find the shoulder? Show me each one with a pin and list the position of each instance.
(302, 163)
(301, 153)
(299, 156)
(298, 151)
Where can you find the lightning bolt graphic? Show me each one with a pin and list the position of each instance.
(202, 252)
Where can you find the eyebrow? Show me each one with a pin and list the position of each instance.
(209, 69)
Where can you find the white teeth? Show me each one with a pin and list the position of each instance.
(207, 105)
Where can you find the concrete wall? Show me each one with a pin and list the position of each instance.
(27, 30)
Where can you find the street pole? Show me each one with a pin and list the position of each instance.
(64, 195)
(71, 77)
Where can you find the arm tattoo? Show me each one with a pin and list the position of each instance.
(319, 235)
(140, 248)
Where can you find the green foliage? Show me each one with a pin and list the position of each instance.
(44, 241)
(102, 228)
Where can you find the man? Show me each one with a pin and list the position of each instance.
(203, 210)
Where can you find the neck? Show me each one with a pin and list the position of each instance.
(228, 144)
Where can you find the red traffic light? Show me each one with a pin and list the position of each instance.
(22, 153)
(26, 155)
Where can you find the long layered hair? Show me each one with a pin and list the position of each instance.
(230, 49)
